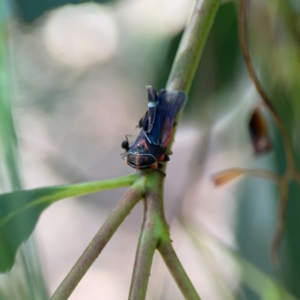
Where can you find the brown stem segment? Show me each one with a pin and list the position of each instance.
(284, 197)
(117, 216)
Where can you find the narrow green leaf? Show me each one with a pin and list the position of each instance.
(20, 210)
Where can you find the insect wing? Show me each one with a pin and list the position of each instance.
(147, 121)
(154, 135)
(143, 123)
(155, 116)
(152, 104)
(171, 103)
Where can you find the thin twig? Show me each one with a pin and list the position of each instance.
(284, 197)
(117, 216)
(173, 263)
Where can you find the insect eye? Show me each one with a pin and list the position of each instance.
(125, 145)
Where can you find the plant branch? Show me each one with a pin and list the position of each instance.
(66, 191)
(155, 226)
(192, 44)
(55, 193)
(117, 216)
(185, 285)
(284, 197)
(47, 195)
(190, 50)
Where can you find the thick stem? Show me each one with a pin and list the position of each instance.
(190, 50)
(185, 285)
(117, 216)
(155, 233)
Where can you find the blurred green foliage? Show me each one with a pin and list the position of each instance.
(274, 40)
(25, 282)
(30, 10)
(274, 44)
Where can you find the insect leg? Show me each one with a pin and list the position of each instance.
(125, 145)
(160, 171)
(166, 158)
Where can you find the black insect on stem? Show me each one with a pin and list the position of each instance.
(149, 149)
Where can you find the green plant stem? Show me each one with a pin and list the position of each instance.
(75, 190)
(117, 216)
(143, 261)
(185, 285)
(56, 193)
(192, 44)
(153, 229)
(190, 50)
(181, 77)
(148, 240)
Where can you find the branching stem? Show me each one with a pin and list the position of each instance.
(117, 216)
(155, 230)
(181, 77)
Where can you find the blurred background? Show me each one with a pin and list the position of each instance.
(73, 78)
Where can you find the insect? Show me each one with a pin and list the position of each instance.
(149, 149)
